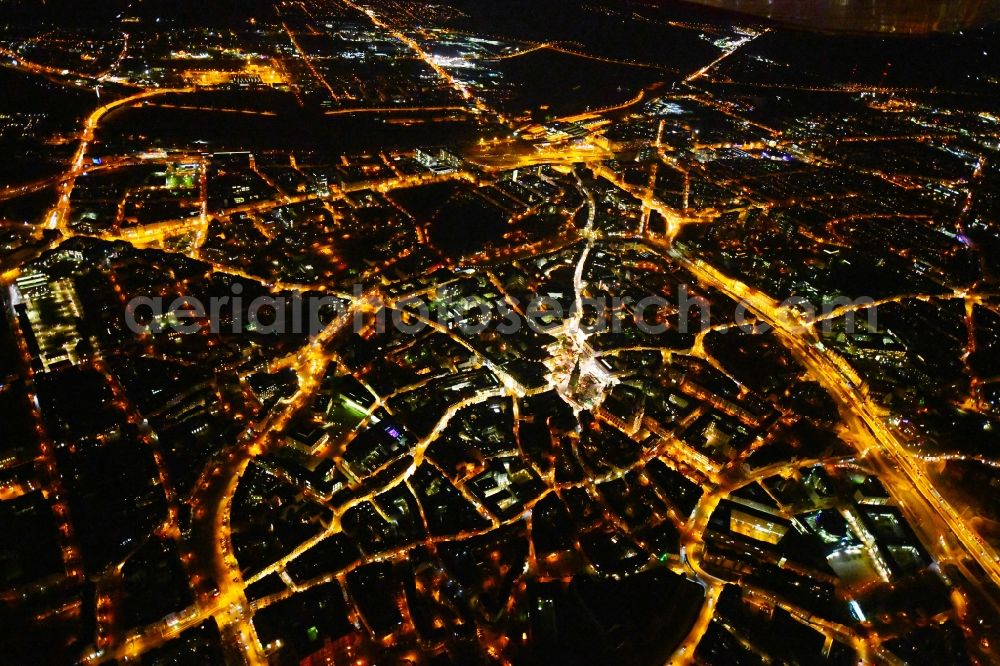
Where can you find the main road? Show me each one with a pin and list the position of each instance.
(877, 442)
(58, 216)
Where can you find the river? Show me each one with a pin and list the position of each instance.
(887, 16)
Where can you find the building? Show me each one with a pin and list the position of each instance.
(49, 312)
(757, 525)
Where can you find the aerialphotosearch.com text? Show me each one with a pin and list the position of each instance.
(310, 314)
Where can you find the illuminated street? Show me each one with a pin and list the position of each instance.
(372, 332)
